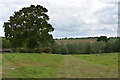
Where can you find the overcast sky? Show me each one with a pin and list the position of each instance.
(71, 18)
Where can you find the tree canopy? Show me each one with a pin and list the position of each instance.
(29, 27)
(103, 38)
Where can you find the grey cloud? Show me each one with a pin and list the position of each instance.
(72, 18)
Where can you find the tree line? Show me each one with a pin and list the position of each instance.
(88, 47)
(113, 45)
(71, 38)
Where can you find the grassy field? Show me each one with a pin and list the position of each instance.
(75, 41)
(60, 66)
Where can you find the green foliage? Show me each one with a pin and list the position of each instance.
(29, 28)
(102, 38)
(98, 47)
(116, 45)
(26, 50)
(6, 43)
(63, 49)
(46, 50)
(71, 48)
(87, 47)
(109, 47)
(60, 49)
(36, 50)
(56, 48)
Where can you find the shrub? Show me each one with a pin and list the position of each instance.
(25, 50)
(63, 49)
(109, 47)
(46, 50)
(5, 43)
(88, 48)
(60, 49)
(71, 48)
(117, 45)
(56, 48)
(98, 47)
(38, 50)
(82, 48)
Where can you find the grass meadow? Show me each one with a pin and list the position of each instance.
(75, 41)
(30, 65)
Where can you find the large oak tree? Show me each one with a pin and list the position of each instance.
(29, 28)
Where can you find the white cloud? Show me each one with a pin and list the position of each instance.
(71, 17)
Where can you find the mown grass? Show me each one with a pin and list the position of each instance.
(31, 65)
(90, 66)
(19, 65)
(105, 59)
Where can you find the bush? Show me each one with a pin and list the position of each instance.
(46, 50)
(108, 47)
(60, 49)
(63, 49)
(117, 45)
(98, 47)
(88, 48)
(25, 50)
(6, 43)
(71, 48)
(56, 49)
(81, 48)
(37, 50)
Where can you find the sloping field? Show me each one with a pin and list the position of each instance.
(76, 41)
(60, 66)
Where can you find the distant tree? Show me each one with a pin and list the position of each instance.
(56, 48)
(29, 28)
(117, 45)
(65, 38)
(71, 48)
(71, 38)
(103, 38)
(98, 47)
(88, 48)
(60, 49)
(108, 47)
(63, 49)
